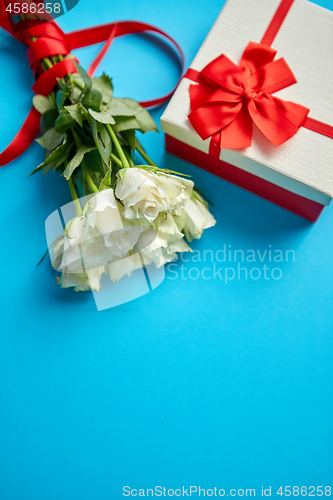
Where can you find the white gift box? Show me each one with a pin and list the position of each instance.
(297, 175)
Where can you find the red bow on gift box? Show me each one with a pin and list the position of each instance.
(230, 98)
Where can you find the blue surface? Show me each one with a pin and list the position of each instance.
(199, 382)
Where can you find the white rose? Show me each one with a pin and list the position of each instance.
(124, 266)
(162, 248)
(89, 280)
(80, 255)
(109, 237)
(145, 194)
(196, 218)
(177, 188)
(70, 252)
(93, 240)
(158, 246)
(161, 243)
(119, 243)
(103, 212)
(84, 247)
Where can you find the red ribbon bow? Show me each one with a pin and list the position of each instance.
(230, 98)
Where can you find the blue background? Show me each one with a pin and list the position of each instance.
(197, 383)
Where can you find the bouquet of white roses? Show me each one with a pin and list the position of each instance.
(134, 213)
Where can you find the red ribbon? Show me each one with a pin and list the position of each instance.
(53, 41)
(229, 98)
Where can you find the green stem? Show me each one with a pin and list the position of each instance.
(48, 63)
(146, 157)
(116, 160)
(129, 159)
(118, 147)
(91, 183)
(77, 205)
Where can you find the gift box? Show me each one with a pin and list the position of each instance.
(255, 106)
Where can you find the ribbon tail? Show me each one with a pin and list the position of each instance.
(98, 34)
(278, 120)
(214, 145)
(238, 133)
(23, 139)
(103, 51)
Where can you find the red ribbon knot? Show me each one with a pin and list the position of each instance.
(229, 99)
(249, 94)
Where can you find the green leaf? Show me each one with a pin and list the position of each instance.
(85, 135)
(104, 85)
(131, 115)
(77, 80)
(93, 162)
(63, 87)
(40, 167)
(126, 123)
(123, 107)
(102, 116)
(75, 111)
(121, 173)
(41, 103)
(49, 118)
(103, 141)
(52, 100)
(76, 94)
(105, 136)
(51, 139)
(92, 100)
(85, 78)
(146, 121)
(48, 167)
(76, 161)
(130, 137)
(106, 182)
(55, 158)
(61, 98)
(64, 122)
(141, 121)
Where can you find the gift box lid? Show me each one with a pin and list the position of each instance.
(303, 164)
